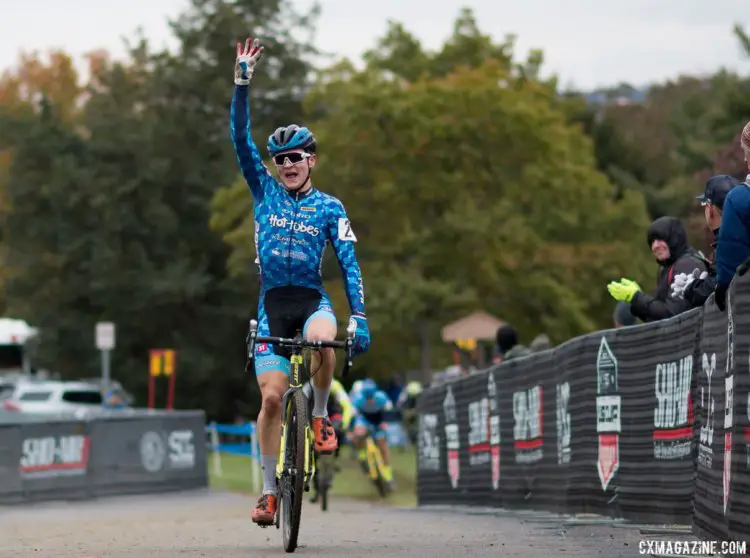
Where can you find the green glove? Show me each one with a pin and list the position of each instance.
(623, 290)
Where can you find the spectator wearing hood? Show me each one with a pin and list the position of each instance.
(696, 290)
(733, 247)
(668, 242)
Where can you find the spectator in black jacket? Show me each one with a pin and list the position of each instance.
(668, 242)
(696, 290)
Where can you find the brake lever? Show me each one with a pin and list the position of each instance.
(250, 339)
(349, 363)
(350, 330)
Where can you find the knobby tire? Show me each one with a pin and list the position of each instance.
(380, 484)
(293, 495)
(324, 492)
(379, 481)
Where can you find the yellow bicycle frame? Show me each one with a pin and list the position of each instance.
(295, 383)
(374, 458)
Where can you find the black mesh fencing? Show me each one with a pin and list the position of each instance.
(50, 459)
(709, 403)
(649, 424)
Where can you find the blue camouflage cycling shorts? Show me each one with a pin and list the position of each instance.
(282, 312)
(372, 427)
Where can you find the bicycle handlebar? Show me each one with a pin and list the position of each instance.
(347, 344)
(286, 342)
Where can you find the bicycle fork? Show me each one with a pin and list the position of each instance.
(281, 463)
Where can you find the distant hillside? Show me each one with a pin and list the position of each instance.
(623, 94)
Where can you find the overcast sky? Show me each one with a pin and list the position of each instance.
(588, 43)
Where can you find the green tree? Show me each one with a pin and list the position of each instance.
(667, 146)
(198, 79)
(120, 206)
(502, 216)
(728, 158)
(53, 76)
(742, 38)
(401, 54)
(46, 167)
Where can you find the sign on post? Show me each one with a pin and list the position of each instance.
(168, 362)
(161, 363)
(154, 363)
(105, 336)
(105, 342)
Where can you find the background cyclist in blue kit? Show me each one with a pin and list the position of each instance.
(294, 223)
(371, 404)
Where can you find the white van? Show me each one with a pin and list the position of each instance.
(53, 397)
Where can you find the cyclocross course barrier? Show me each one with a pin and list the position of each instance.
(44, 458)
(249, 448)
(650, 424)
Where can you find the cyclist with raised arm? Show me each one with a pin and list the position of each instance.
(371, 404)
(294, 223)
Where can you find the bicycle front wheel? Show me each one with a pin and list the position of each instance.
(380, 483)
(379, 478)
(325, 474)
(293, 491)
(324, 483)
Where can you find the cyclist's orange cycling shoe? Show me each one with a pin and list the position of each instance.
(264, 513)
(325, 436)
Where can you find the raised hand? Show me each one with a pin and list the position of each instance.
(247, 58)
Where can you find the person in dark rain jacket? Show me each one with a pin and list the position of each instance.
(668, 242)
(733, 248)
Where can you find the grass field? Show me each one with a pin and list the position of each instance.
(349, 483)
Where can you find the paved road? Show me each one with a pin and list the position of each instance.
(217, 525)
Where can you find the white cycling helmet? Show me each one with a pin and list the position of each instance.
(356, 387)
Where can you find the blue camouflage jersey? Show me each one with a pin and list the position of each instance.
(373, 410)
(292, 230)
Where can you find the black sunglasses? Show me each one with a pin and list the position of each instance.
(294, 157)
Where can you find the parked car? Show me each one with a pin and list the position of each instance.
(6, 389)
(53, 397)
(115, 389)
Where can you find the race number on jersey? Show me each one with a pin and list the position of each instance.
(345, 230)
